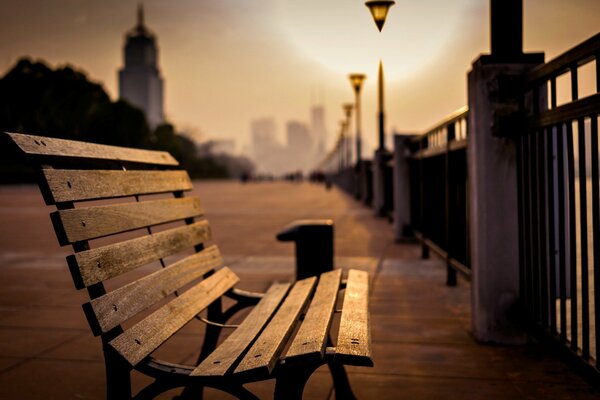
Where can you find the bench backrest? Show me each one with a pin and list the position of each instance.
(122, 209)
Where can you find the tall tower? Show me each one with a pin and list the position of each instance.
(140, 82)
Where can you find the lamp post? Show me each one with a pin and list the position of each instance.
(357, 80)
(379, 10)
(348, 112)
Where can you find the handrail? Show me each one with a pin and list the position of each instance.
(576, 56)
(455, 116)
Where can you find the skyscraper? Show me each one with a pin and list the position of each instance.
(140, 82)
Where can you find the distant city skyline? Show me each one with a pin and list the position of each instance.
(227, 63)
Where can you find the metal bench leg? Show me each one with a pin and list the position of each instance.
(290, 383)
(343, 391)
(118, 376)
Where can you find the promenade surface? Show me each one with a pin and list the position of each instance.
(421, 340)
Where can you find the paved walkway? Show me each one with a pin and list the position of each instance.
(421, 340)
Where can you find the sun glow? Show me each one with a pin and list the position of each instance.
(342, 37)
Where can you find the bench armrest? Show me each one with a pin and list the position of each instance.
(314, 245)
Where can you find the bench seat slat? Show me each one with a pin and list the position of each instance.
(76, 185)
(86, 223)
(311, 339)
(220, 361)
(143, 338)
(264, 353)
(123, 303)
(45, 146)
(106, 262)
(354, 337)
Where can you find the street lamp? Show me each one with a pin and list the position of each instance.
(379, 10)
(357, 80)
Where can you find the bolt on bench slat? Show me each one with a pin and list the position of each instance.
(143, 338)
(117, 306)
(77, 185)
(106, 262)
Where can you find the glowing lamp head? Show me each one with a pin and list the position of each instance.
(379, 10)
(356, 81)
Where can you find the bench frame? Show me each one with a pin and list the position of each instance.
(290, 372)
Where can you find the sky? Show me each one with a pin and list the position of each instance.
(228, 62)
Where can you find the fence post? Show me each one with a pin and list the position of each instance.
(402, 220)
(382, 156)
(492, 166)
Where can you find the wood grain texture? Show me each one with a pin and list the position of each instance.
(354, 337)
(220, 361)
(311, 339)
(86, 223)
(44, 146)
(106, 262)
(75, 185)
(264, 353)
(143, 338)
(123, 303)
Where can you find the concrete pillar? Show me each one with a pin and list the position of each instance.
(401, 188)
(492, 166)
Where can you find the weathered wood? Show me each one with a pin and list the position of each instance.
(75, 185)
(52, 147)
(311, 339)
(264, 353)
(223, 358)
(123, 303)
(86, 223)
(354, 337)
(143, 338)
(106, 262)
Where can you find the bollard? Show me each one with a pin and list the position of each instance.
(314, 245)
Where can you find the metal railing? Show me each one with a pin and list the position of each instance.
(439, 201)
(559, 206)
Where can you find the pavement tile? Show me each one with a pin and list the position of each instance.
(27, 342)
(394, 387)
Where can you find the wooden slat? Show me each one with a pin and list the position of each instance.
(44, 146)
(144, 337)
(123, 303)
(106, 262)
(80, 224)
(219, 362)
(264, 353)
(75, 185)
(311, 339)
(354, 337)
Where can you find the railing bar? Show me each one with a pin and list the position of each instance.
(551, 228)
(521, 218)
(572, 236)
(542, 228)
(574, 84)
(535, 239)
(585, 316)
(553, 92)
(560, 168)
(526, 224)
(596, 226)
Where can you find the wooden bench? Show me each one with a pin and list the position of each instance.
(286, 336)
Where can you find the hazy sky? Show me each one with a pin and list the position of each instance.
(226, 62)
